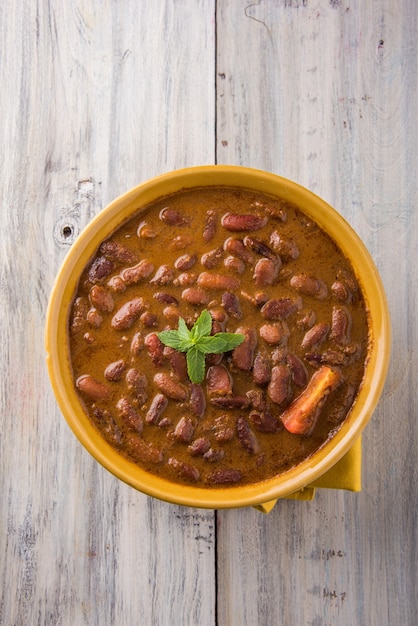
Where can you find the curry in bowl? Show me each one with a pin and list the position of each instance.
(218, 337)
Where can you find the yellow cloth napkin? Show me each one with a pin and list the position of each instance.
(346, 474)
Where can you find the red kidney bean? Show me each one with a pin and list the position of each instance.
(165, 298)
(197, 400)
(280, 308)
(185, 262)
(261, 370)
(257, 399)
(231, 402)
(234, 264)
(145, 231)
(107, 424)
(184, 470)
(163, 276)
(345, 399)
(279, 386)
(94, 318)
(158, 405)
(214, 359)
(209, 280)
(171, 313)
(181, 242)
(178, 363)
(129, 415)
(237, 248)
(209, 230)
(218, 315)
(165, 422)
(337, 357)
(275, 334)
(265, 422)
(246, 437)
(170, 387)
(278, 355)
(148, 319)
(171, 217)
(315, 335)
(92, 387)
(138, 272)
(297, 369)
(341, 292)
(80, 310)
(231, 304)
(238, 223)
(115, 283)
(114, 371)
(340, 325)
(218, 381)
(260, 247)
(184, 279)
(243, 355)
(143, 451)
(287, 249)
(266, 272)
(137, 382)
(117, 252)
(212, 258)
(342, 357)
(195, 296)
(309, 286)
(100, 268)
(214, 455)
(101, 299)
(226, 476)
(128, 313)
(137, 344)
(223, 428)
(184, 429)
(199, 446)
(348, 279)
(155, 348)
(277, 212)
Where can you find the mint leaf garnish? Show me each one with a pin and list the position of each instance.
(197, 342)
(221, 342)
(183, 331)
(195, 364)
(172, 339)
(202, 326)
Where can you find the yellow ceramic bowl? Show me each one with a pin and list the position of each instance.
(57, 344)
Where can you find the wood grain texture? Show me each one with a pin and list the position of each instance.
(97, 97)
(326, 94)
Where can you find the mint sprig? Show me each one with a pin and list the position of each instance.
(197, 342)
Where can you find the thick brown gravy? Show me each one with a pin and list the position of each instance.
(260, 267)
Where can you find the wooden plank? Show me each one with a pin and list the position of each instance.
(95, 98)
(326, 94)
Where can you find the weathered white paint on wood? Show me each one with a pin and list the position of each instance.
(326, 94)
(97, 97)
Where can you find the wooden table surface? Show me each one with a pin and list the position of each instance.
(97, 97)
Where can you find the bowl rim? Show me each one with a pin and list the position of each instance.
(118, 211)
